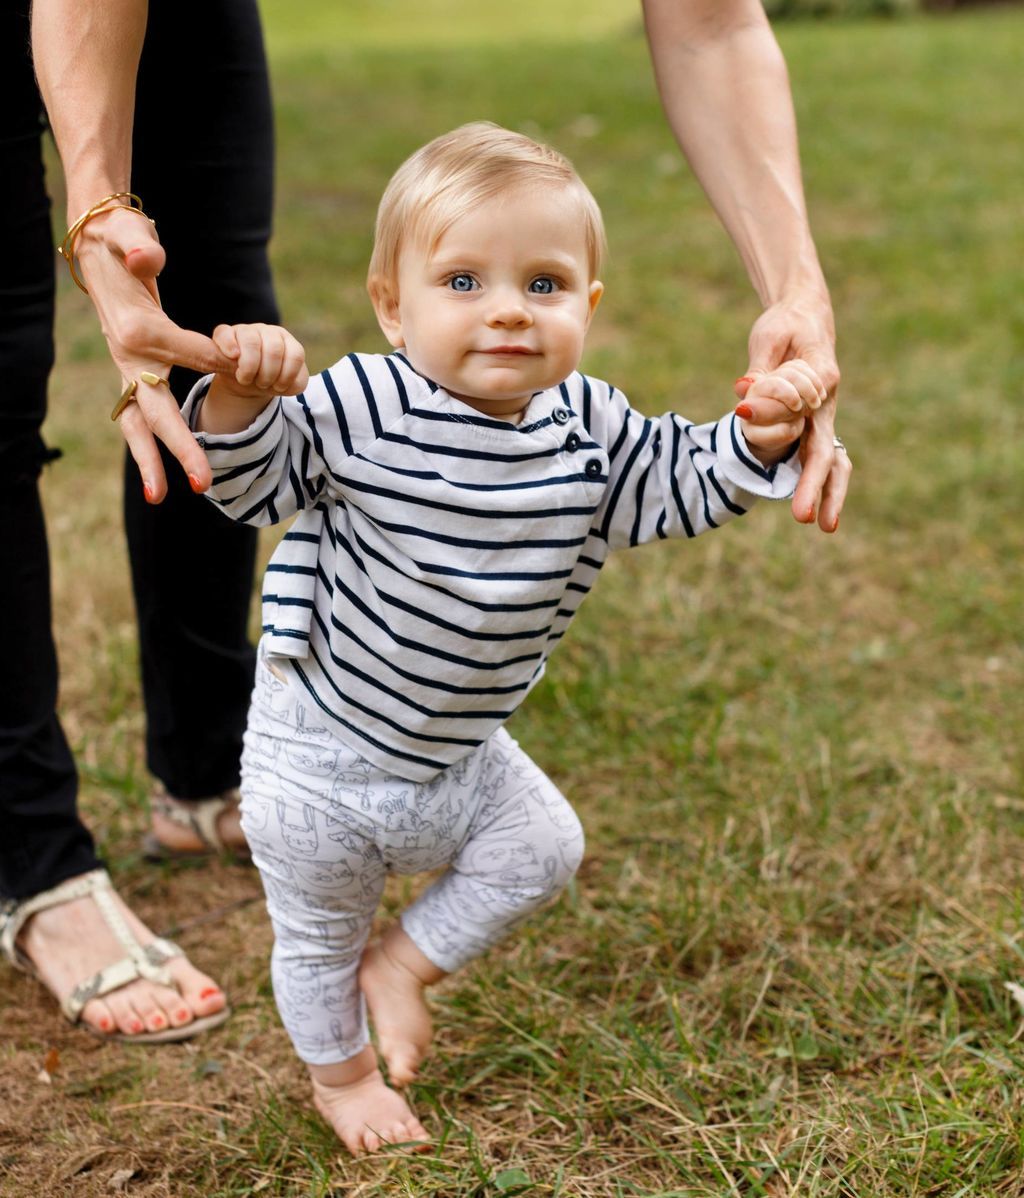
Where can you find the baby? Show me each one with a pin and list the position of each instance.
(456, 500)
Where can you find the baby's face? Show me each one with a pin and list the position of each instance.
(497, 310)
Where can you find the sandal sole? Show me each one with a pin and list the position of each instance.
(171, 1035)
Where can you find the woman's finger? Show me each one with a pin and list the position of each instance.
(818, 455)
(833, 494)
(143, 448)
(162, 416)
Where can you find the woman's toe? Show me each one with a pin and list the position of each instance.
(98, 1015)
(200, 993)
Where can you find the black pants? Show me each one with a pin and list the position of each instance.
(202, 163)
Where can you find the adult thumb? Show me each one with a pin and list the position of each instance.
(133, 237)
(190, 349)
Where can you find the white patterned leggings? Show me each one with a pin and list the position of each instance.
(326, 826)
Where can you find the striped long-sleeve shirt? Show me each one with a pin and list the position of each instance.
(438, 555)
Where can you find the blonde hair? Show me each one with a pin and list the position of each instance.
(453, 174)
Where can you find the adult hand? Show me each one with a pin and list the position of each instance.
(803, 328)
(119, 258)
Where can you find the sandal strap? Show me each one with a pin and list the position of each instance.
(198, 815)
(140, 961)
(15, 914)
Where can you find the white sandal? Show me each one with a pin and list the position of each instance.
(141, 961)
(199, 816)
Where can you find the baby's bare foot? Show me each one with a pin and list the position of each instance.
(365, 1112)
(392, 976)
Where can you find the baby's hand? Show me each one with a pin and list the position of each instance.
(268, 361)
(774, 407)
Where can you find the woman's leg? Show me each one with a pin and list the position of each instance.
(203, 164)
(42, 841)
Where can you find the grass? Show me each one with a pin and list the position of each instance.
(798, 759)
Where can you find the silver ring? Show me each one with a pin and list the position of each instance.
(837, 444)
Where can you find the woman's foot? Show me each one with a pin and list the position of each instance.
(181, 828)
(69, 943)
(393, 975)
(366, 1114)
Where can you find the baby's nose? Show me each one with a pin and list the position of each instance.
(509, 310)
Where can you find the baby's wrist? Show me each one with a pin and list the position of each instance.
(229, 407)
(767, 455)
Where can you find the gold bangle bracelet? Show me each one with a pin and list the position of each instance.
(128, 394)
(109, 203)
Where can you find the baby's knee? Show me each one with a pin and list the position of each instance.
(559, 837)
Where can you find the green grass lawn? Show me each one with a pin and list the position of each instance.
(798, 758)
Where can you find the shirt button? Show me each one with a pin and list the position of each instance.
(561, 415)
(572, 442)
(592, 468)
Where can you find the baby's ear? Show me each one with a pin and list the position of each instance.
(384, 297)
(594, 298)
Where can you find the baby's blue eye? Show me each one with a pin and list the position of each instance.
(462, 283)
(543, 286)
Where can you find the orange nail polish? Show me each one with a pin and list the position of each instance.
(744, 378)
(195, 484)
(104, 1024)
(744, 411)
(135, 1025)
(158, 1021)
(147, 490)
(209, 992)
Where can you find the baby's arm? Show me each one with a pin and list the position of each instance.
(775, 406)
(268, 362)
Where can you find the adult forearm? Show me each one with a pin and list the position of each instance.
(86, 56)
(725, 88)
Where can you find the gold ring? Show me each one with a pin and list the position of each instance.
(128, 394)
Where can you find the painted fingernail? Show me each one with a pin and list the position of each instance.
(209, 992)
(135, 1025)
(744, 411)
(181, 1015)
(147, 490)
(105, 1024)
(158, 1021)
(835, 523)
(744, 378)
(195, 484)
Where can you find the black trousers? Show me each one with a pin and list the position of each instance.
(203, 164)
